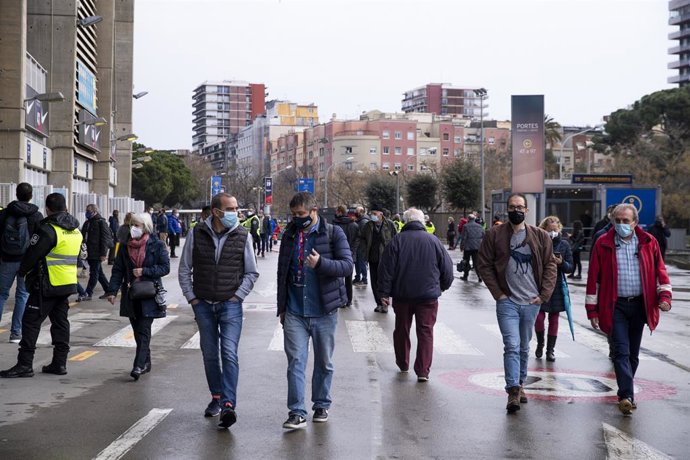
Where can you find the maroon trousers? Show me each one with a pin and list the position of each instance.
(424, 314)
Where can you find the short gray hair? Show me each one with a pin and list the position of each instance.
(145, 219)
(624, 206)
(413, 215)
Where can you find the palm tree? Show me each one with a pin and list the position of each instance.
(552, 131)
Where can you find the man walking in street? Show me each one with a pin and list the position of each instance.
(661, 233)
(472, 235)
(517, 264)
(162, 226)
(99, 240)
(18, 221)
(627, 286)
(114, 224)
(361, 220)
(351, 230)
(174, 231)
(414, 270)
(50, 268)
(378, 232)
(217, 272)
(265, 234)
(252, 224)
(313, 260)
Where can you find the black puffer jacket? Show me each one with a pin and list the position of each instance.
(351, 230)
(557, 301)
(20, 209)
(96, 233)
(335, 264)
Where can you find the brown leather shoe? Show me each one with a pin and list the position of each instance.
(523, 396)
(513, 400)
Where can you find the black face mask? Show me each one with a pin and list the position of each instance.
(302, 222)
(516, 217)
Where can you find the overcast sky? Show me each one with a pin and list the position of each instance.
(588, 58)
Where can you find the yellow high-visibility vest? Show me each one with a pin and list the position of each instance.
(62, 259)
(430, 228)
(399, 224)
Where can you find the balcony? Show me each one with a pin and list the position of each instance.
(678, 64)
(678, 34)
(679, 18)
(679, 79)
(679, 49)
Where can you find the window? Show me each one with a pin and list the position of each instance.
(410, 135)
(422, 151)
(398, 166)
(321, 167)
(410, 167)
(386, 166)
(458, 152)
(492, 141)
(348, 166)
(311, 154)
(457, 140)
(398, 150)
(398, 134)
(320, 151)
(386, 150)
(372, 150)
(446, 136)
(410, 150)
(445, 152)
(386, 134)
(372, 166)
(348, 149)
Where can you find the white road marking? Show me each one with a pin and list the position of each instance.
(133, 435)
(447, 342)
(622, 446)
(495, 330)
(76, 322)
(598, 342)
(125, 337)
(368, 337)
(194, 343)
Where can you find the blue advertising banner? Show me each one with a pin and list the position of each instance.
(215, 185)
(86, 88)
(305, 185)
(643, 199)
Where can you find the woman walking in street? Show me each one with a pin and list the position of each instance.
(564, 263)
(450, 234)
(138, 269)
(577, 245)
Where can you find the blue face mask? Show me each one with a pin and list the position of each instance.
(374, 218)
(88, 214)
(229, 219)
(623, 230)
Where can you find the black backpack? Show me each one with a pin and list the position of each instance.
(15, 236)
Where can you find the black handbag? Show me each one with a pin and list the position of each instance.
(141, 290)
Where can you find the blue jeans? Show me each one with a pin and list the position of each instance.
(629, 319)
(96, 276)
(220, 325)
(8, 272)
(297, 331)
(360, 266)
(516, 323)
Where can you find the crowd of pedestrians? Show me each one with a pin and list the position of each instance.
(524, 267)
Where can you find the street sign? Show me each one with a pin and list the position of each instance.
(643, 199)
(602, 179)
(215, 185)
(305, 185)
(268, 189)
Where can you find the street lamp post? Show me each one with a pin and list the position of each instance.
(565, 141)
(397, 189)
(325, 196)
(482, 94)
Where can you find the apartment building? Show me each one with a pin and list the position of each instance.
(443, 99)
(679, 15)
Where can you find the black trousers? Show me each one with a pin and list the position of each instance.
(174, 241)
(374, 277)
(466, 255)
(142, 336)
(348, 288)
(37, 310)
(96, 276)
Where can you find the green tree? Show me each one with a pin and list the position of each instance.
(380, 191)
(461, 181)
(552, 131)
(422, 192)
(162, 178)
(651, 140)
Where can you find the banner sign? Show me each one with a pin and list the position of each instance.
(86, 88)
(36, 116)
(626, 179)
(88, 134)
(215, 186)
(305, 185)
(644, 199)
(528, 144)
(268, 189)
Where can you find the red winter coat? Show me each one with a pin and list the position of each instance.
(602, 279)
(461, 224)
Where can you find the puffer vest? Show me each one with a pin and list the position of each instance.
(213, 281)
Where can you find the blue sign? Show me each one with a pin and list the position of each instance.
(305, 185)
(215, 186)
(644, 199)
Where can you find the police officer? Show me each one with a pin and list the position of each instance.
(50, 272)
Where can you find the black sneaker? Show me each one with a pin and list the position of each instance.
(320, 415)
(53, 368)
(83, 298)
(227, 416)
(17, 371)
(294, 422)
(213, 409)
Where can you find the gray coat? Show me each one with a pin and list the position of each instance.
(472, 235)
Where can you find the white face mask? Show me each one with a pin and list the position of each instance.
(136, 232)
(553, 234)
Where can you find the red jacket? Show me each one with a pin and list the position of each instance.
(602, 279)
(461, 224)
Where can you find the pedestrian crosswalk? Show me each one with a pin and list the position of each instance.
(125, 336)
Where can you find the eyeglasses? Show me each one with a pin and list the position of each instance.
(517, 208)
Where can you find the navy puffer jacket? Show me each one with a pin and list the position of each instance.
(334, 265)
(557, 301)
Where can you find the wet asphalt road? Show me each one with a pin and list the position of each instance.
(376, 413)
